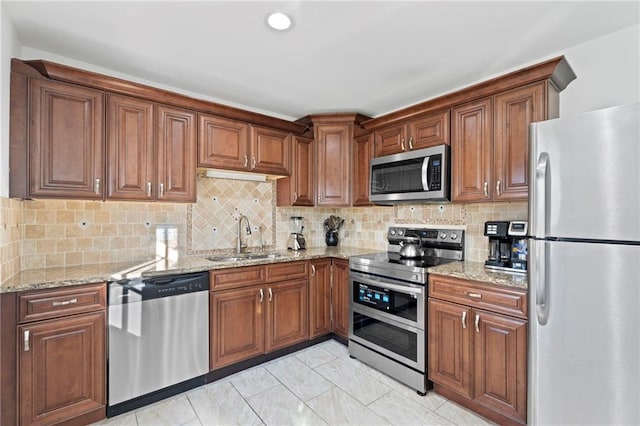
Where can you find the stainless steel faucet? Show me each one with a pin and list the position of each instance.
(240, 246)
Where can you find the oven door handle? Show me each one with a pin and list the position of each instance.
(409, 289)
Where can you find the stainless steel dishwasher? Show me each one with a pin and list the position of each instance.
(158, 338)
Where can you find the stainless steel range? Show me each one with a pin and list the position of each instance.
(388, 301)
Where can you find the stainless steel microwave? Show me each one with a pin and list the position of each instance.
(416, 176)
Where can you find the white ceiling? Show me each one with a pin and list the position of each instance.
(369, 57)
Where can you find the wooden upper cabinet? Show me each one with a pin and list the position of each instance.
(390, 140)
(130, 148)
(362, 155)
(429, 130)
(421, 132)
(270, 151)
(222, 143)
(514, 111)
(333, 143)
(66, 144)
(298, 189)
(176, 154)
(471, 151)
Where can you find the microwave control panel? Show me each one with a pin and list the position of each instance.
(435, 173)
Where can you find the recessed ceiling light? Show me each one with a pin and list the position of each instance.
(279, 21)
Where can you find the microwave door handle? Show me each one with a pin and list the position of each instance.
(425, 175)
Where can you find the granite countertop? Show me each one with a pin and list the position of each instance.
(75, 275)
(476, 271)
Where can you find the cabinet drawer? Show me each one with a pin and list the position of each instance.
(45, 304)
(236, 277)
(286, 271)
(479, 295)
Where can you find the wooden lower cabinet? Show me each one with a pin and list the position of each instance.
(479, 355)
(320, 298)
(251, 321)
(61, 368)
(340, 298)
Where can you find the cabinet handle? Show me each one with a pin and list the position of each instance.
(246, 161)
(96, 186)
(402, 144)
(270, 295)
(149, 189)
(485, 189)
(161, 190)
(66, 302)
(253, 163)
(261, 295)
(410, 143)
(295, 196)
(498, 185)
(475, 295)
(477, 323)
(313, 270)
(26, 340)
(464, 319)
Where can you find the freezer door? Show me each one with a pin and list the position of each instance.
(584, 341)
(585, 176)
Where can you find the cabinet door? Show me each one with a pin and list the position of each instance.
(449, 346)
(176, 154)
(61, 368)
(287, 311)
(302, 172)
(130, 156)
(333, 157)
(515, 110)
(429, 130)
(222, 143)
(362, 155)
(471, 151)
(236, 326)
(501, 363)
(270, 151)
(66, 141)
(320, 298)
(340, 297)
(390, 140)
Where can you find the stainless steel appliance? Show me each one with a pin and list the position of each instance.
(158, 338)
(388, 302)
(584, 275)
(413, 176)
(296, 239)
(508, 246)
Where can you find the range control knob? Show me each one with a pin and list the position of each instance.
(443, 235)
(392, 231)
(453, 236)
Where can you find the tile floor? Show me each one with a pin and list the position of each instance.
(319, 385)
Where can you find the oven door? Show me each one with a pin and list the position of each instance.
(397, 341)
(388, 298)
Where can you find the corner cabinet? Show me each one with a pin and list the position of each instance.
(477, 337)
(61, 355)
(333, 149)
(490, 143)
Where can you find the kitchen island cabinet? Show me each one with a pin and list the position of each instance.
(477, 337)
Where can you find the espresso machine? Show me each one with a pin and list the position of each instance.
(508, 246)
(296, 239)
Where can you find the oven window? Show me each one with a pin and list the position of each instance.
(397, 177)
(393, 302)
(388, 336)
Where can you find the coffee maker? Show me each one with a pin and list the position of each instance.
(508, 247)
(296, 239)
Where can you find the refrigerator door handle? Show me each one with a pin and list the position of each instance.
(539, 226)
(541, 281)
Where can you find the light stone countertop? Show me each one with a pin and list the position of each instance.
(476, 271)
(34, 279)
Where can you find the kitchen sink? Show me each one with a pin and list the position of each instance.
(243, 256)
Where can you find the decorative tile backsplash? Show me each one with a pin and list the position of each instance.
(47, 233)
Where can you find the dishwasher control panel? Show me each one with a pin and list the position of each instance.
(138, 289)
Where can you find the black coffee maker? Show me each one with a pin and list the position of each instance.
(508, 248)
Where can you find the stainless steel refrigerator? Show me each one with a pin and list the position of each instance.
(584, 269)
